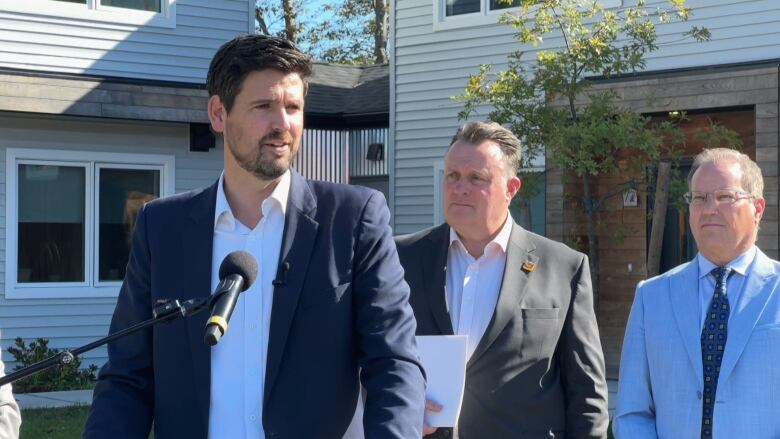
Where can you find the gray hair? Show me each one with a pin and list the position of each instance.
(752, 179)
(478, 132)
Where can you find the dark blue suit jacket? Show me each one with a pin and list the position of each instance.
(341, 318)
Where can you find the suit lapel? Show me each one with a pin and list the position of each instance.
(197, 247)
(747, 312)
(300, 231)
(513, 285)
(684, 297)
(434, 263)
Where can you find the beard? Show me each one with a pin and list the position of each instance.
(265, 166)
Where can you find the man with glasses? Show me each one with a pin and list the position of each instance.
(702, 346)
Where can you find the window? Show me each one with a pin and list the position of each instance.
(453, 14)
(449, 14)
(438, 187)
(530, 212)
(460, 7)
(141, 5)
(160, 13)
(70, 218)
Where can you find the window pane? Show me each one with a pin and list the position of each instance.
(142, 5)
(121, 194)
(531, 212)
(497, 4)
(458, 7)
(51, 223)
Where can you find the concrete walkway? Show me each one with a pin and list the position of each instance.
(84, 397)
(53, 399)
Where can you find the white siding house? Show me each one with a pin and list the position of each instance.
(436, 44)
(101, 108)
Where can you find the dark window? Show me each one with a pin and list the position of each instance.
(51, 221)
(121, 194)
(460, 7)
(497, 4)
(141, 5)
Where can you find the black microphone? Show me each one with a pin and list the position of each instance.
(281, 275)
(236, 274)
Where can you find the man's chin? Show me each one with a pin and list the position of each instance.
(268, 171)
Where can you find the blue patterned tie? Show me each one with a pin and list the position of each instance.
(713, 342)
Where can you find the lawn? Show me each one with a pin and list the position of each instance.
(62, 423)
(66, 423)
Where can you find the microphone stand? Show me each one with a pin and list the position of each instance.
(164, 312)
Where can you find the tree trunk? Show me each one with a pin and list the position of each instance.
(262, 26)
(290, 23)
(380, 31)
(659, 219)
(593, 247)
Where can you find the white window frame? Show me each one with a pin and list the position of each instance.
(484, 17)
(94, 11)
(438, 187)
(91, 162)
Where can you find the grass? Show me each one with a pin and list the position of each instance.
(60, 423)
(67, 423)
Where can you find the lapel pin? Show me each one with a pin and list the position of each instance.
(529, 266)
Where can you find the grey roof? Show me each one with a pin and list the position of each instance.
(349, 90)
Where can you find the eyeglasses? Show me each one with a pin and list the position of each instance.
(721, 197)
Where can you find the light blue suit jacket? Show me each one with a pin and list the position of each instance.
(659, 394)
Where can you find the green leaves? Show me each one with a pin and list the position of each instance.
(548, 101)
(699, 34)
(63, 377)
(337, 31)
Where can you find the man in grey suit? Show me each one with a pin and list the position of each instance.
(535, 366)
(702, 346)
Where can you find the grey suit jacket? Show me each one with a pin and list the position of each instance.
(538, 371)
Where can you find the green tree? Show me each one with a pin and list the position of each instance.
(550, 102)
(338, 31)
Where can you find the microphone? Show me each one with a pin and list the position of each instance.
(281, 275)
(236, 274)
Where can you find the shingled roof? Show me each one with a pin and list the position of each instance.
(349, 92)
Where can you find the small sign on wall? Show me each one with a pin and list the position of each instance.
(630, 198)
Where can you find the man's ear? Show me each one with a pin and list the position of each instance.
(217, 114)
(513, 186)
(760, 205)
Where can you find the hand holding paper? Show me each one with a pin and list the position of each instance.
(444, 360)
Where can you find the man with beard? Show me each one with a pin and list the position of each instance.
(329, 309)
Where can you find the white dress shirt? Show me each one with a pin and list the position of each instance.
(741, 267)
(473, 285)
(238, 361)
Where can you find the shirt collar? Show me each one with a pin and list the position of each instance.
(501, 240)
(740, 264)
(223, 214)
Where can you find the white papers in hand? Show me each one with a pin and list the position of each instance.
(444, 360)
